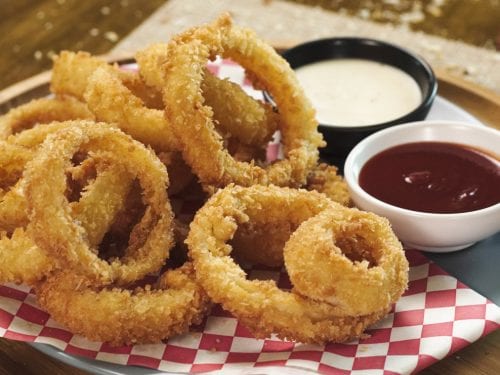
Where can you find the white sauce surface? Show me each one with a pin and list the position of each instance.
(352, 92)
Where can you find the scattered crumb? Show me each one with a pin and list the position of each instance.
(51, 54)
(40, 15)
(438, 3)
(61, 2)
(470, 70)
(38, 55)
(94, 32)
(414, 16)
(433, 47)
(392, 2)
(48, 26)
(434, 10)
(111, 36)
(455, 69)
(105, 11)
(364, 13)
(124, 3)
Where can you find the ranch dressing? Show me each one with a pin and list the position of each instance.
(352, 92)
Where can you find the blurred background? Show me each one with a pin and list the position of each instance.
(32, 31)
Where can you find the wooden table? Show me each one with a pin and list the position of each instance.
(30, 32)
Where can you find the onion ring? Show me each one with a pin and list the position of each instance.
(358, 262)
(113, 102)
(260, 305)
(13, 159)
(21, 261)
(184, 72)
(272, 236)
(71, 72)
(122, 317)
(65, 238)
(41, 111)
(236, 114)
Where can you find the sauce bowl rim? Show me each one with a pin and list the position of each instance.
(427, 98)
(352, 179)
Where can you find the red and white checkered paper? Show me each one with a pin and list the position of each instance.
(437, 316)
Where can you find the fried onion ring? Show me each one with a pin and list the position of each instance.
(21, 261)
(193, 121)
(144, 315)
(271, 236)
(41, 111)
(261, 305)
(250, 121)
(348, 258)
(111, 101)
(71, 72)
(236, 114)
(65, 238)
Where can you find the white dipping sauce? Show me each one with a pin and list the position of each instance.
(351, 92)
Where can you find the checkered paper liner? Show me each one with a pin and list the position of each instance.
(437, 316)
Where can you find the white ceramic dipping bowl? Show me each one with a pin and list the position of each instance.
(421, 230)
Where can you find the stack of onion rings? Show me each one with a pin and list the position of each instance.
(85, 200)
(24, 261)
(193, 121)
(65, 238)
(261, 305)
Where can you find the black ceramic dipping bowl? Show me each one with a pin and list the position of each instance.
(341, 139)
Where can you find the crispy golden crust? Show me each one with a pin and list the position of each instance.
(261, 305)
(123, 317)
(111, 101)
(263, 242)
(324, 178)
(42, 111)
(13, 159)
(348, 258)
(21, 261)
(60, 235)
(237, 116)
(181, 75)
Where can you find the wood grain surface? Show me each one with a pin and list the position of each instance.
(32, 31)
(48, 26)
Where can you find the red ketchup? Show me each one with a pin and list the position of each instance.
(436, 177)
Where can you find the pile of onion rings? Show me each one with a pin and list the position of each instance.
(317, 312)
(92, 178)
